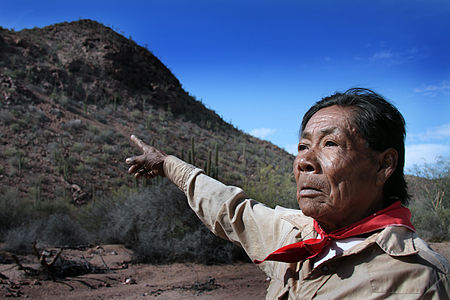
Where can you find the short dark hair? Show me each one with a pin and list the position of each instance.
(380, 124)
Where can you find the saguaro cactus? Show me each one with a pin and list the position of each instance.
(216, 162)
(208, 164)
(192, 151)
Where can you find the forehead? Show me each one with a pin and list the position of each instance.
(332, 117)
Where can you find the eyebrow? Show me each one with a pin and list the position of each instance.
(324, 132)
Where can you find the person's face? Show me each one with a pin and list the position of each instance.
(336, 171)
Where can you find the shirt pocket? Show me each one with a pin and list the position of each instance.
(397, 275)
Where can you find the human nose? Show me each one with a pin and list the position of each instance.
(307, 162)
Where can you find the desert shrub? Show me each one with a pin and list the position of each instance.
(92, 161)
(117, 181)
(19, 239)
(272, 187)
(26, 219)
(46, 207)
(93, 129)
(199, 245)
(6, 117)
(158, 224)
(105, 157)
(78, 147)
(430, 205)
(37, 115)
(109, 149)
(14, 210)
(73, 125)
(105, 136)
(136, 114)
(62, 229)
(18, 126)
(56, 230)
(12, 151)
(101, 118)
(83, 169)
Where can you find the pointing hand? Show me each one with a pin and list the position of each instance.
(149, 164)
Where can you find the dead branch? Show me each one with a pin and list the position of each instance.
(104, 263)
(55, 258)
(28, 271)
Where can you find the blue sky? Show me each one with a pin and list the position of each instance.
(261, 64)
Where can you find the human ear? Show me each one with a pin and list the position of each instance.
(387, 165)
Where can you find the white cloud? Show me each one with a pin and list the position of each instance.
(262, 133)
(383, 54)
(435, 133)
(390, 57)
(420, 154)
(435, 89)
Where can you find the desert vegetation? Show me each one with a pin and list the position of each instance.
(430, 205)
(154, 220)
(72, 94)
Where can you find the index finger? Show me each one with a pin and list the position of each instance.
(138, 142)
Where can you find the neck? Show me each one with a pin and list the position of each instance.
(330, 227)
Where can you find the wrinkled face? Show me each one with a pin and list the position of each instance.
(336, 171)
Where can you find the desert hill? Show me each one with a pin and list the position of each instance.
(72, 93)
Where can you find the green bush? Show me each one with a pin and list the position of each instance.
(430, 205)
(272, 187)
(78, 147)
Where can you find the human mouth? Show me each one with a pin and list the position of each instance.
(309, 192)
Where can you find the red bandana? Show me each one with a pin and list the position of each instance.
(393, 215)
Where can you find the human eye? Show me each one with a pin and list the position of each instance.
(302, 147)
(330, 143)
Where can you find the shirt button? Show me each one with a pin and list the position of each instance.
(325, 268)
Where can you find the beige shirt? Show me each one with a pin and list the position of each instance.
(392, 263)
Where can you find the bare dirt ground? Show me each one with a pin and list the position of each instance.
(120, 279)
(116, 278)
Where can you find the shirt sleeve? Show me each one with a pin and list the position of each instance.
(226, 210)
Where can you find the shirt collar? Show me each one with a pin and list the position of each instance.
(303, 223)
(397, 241)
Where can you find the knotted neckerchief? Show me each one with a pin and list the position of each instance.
(393, 215)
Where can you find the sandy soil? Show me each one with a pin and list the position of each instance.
(120, 279)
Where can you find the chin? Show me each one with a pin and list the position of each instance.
(311, 207)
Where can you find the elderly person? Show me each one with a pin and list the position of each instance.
(352, 237)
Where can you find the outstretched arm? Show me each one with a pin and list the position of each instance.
(225, 210)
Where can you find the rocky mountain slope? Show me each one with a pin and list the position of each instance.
(72, 93)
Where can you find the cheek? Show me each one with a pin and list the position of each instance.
(295, 170)
(327, 163)
(332, 161)
(336, 173)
